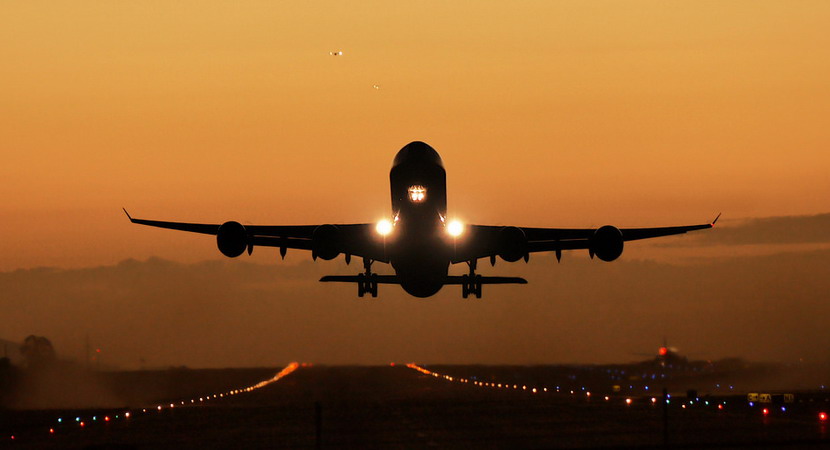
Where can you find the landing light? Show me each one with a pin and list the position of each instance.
(455, 228)
(384, 227)
(417, 194)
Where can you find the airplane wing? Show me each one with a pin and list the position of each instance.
(482, 241)
(355, 239)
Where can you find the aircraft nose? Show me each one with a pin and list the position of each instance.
(417, 152)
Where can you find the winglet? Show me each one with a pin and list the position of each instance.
(716, 219)
(128, 214)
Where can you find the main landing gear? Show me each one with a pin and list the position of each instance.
(367, 281)
(471, 283)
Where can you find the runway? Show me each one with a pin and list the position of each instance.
(400, 406)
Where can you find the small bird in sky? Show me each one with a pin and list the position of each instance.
(337, 53)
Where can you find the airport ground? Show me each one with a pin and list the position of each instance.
(430, 406)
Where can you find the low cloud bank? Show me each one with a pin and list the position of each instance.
(771, 230)
(158, 313)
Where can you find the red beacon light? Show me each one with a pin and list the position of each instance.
(663, 351)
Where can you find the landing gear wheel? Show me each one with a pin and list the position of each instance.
(471, 284)
(373, 284)
(361, 285)
(465, 286)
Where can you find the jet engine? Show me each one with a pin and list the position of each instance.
(325, 242)
(512, 244)
(607, 243)
(232, 239)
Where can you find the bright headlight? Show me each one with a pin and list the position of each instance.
(417, 193)
(455, 228)
(384, 227)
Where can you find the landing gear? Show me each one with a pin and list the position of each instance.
(471, 283)
(367, 281)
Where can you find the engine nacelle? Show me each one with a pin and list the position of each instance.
(325, 242)
(232, 239)
(512, 244)
(607, 243)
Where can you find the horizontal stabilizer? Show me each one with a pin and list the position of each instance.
(380, 279)
(456, 279)
(392, 279)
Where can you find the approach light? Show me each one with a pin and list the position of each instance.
(384, 227)
(455, 228)
(417, 193)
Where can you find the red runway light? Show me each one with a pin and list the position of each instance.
(765, 411)
(822, 416)
(51, 431)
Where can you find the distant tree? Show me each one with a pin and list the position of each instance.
(6, 376)
(37, 351)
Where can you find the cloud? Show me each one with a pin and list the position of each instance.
(159, 313)
(770, 230)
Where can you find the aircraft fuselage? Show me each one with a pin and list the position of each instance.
(419, 247)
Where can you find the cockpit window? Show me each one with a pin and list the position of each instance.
(417, 193)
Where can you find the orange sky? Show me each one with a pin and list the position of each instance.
(546, 113)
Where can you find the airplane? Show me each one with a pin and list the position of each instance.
(419, 241)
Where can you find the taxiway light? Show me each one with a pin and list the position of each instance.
(384, 227)
(455, 228)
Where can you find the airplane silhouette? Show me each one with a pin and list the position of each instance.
(419, 241)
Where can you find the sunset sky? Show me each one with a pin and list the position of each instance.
(546, 113)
